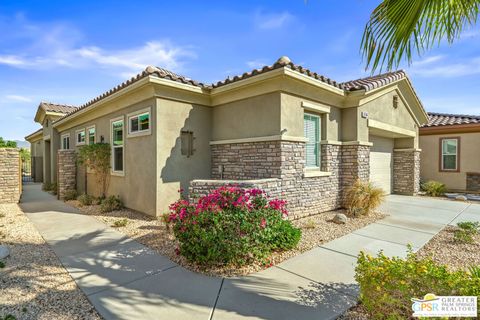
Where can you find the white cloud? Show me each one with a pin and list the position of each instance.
(59, 45)
(272, 20)
(17, 98)
(255, 64)
(439, 66)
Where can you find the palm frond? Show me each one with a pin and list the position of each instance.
(399, 28)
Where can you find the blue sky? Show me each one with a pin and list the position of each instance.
(71, 51)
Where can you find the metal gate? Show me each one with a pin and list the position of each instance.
(27, 169)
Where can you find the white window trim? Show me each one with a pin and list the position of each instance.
(61, 140)
(112, 171)
(445, 154)
(142, 132)
(87, 138)
(76, 137)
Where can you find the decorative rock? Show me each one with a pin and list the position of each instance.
(340, 218)
(461, 198)
(4, 252)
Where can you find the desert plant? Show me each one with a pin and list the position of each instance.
(310, 224)
(434, 188)
(387, 285)
(120, 223)
(362, 198)
(97, 157)
(86, 199)
(466, 232)
(2, 264)
(47, 186)
(54, 188)
(231, 226)
(111, 203)
(70, 195)
(474, 271)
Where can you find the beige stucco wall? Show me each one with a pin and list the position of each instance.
(174, 170)
(469, 159)
(137, 187)
(257, 116)
(292, 117)
(381, 109)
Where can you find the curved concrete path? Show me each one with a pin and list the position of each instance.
(126, 280)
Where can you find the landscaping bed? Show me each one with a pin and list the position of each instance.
(442, 249)
(154, 233)
(33, 282)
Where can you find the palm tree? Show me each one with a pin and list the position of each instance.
(399, 28)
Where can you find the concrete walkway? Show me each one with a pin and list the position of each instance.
(125, 280)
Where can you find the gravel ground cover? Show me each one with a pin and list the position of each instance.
(33, 283)
(154, 233)
(442, 249)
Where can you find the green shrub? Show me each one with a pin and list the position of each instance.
(466, 232)
(362, 198)
(434, 188)
(47, 186)
(120, 223)
(231, 226)
(111, 203)
(2, 264)
(387, 285)
(86, 199)
(474, 271)
(70, 195)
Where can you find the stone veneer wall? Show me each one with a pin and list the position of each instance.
(10, 175)
(473, 181)
(67, 172)
(406, 172)
(246, 161)
(285, 162)
(198, 188)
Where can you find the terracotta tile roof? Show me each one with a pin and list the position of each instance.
(149, 71)
(368, 83)
(445, 119)
(55, 107)
(280, 63)
(373, 82)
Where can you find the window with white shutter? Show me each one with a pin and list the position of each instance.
(311, 125)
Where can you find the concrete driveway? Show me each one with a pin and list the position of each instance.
(126, 280)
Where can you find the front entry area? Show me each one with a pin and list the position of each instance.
(381, 162)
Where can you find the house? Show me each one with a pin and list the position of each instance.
(283, 128)
(450, 146)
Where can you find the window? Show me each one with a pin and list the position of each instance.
(449, 154)
(66, 141)
(80, 136)
(117, 145)
(91, 135)
(311, 127)
(139, 123)
(186, 139)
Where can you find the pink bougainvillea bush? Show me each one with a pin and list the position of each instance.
(231, 225)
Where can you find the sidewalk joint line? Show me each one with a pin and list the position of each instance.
(336, 251)
(465, 209)
(404, 228)
(322, 283)
(216, 299)
(402, 244)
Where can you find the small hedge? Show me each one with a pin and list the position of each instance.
(231, 226)
(110, 204)
(387, 285)
(434, 188)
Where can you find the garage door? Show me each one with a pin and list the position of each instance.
(381, 163)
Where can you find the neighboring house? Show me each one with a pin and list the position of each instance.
(296, 134)
(450, 146)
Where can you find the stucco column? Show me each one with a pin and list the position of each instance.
(67, 172)
(406, 171)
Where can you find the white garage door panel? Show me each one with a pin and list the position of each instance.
(381, 162)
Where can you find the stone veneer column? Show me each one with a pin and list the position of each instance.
(473, 181)
(355, 164)
(10, 176)
(406, 171)
(67, 172)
